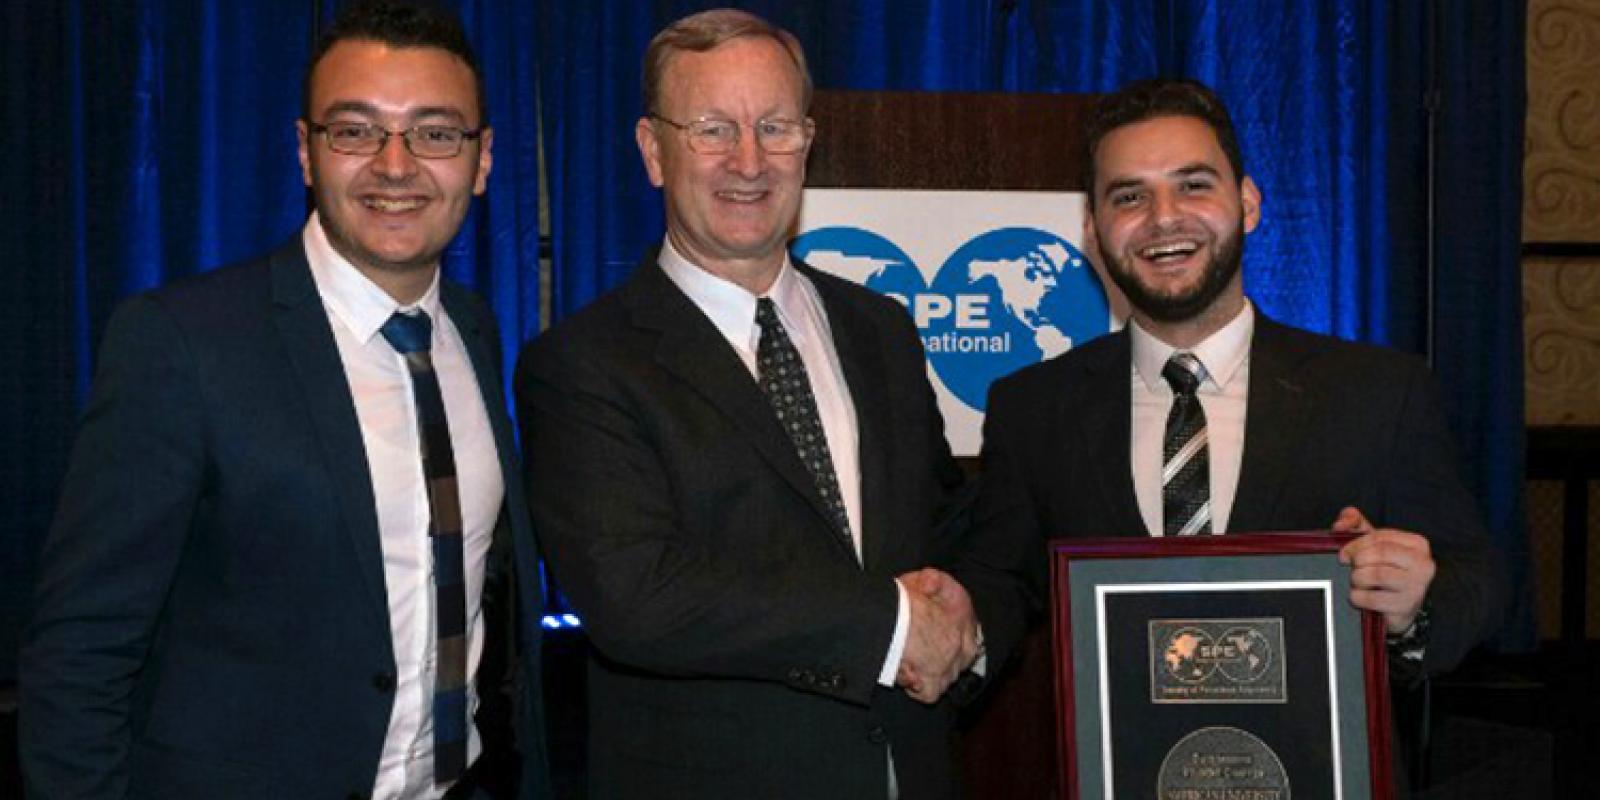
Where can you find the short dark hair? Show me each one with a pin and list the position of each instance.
(397, 23)
(1159, 97)
(707, 30)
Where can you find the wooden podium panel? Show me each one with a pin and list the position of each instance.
(969, 142)
(948, 141)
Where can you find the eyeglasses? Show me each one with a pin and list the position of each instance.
(366, 139)
(716, 137)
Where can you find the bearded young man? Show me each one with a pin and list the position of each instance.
(1255, 426)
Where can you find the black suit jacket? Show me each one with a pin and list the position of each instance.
(1329, 424)
(737, 639)
(211, 617)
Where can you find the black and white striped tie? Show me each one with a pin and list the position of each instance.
(1185, 462)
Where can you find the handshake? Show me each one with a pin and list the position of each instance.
(942, 641)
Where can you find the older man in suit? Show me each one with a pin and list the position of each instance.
(732, 457)
(293, 523)
(1204, 416)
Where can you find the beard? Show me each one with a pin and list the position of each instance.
(1182, 305)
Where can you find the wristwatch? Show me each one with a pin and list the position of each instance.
(1412, 643)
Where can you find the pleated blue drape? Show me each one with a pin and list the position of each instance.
(150, 139)
(1328, 99)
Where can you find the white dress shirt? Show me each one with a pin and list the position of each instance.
(1223, 394)
(386, 408)
(732, 310)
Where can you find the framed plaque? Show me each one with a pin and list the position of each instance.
(1217, 668)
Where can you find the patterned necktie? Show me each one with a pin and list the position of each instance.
(1185, 464)
(412, 337)
(783, 379)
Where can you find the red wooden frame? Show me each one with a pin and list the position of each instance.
(1374, 658)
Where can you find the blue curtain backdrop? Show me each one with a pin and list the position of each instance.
(147, 140)
(151, 139)
(1476, 324)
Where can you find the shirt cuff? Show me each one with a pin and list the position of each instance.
(897, 645)
(980, 667)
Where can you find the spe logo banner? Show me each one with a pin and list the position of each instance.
(994, 280)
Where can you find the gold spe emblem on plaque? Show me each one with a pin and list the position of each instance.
(1194, 661)
(1217, 661)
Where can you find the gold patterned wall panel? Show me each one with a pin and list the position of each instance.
(1546, 542)
(1561, 329)
(1561, 168)
(1544, 550)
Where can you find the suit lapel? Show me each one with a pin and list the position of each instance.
(1105, 423)
(302, 324)
(1276, 395)
(854, 341)
(483, 352)
(691, 348)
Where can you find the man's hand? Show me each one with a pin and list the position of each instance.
(942, 640)
(1390, 569)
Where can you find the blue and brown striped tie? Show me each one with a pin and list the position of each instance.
(411, 335)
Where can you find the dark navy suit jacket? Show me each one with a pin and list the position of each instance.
(211, 618)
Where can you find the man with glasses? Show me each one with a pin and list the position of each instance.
(732, 458)
(293, 535)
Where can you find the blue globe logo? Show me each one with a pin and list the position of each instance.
(1040, 298)
(1006, 299)
(864, 257)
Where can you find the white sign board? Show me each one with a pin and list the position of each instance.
(995, 281)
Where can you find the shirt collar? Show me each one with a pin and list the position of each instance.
(352, 297)
(1221, 353)
(732, 308)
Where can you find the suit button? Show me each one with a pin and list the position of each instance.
(383, 682)
(877, 735)
(836, 682)
(797, 675)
